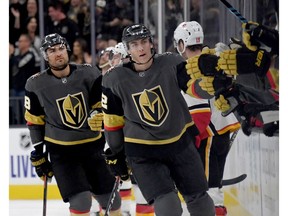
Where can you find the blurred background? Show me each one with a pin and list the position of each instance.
(92, 25)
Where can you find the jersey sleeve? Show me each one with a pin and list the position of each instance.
(113, 119)
(35, 118)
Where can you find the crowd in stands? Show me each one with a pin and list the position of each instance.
(69, 18)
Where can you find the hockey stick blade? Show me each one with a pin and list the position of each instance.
(112, 196)
(234, 11)
(235, 180)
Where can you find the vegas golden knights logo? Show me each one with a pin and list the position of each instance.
(72, 110)
(151, 106)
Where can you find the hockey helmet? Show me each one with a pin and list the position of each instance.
(191, 33)
(50, 41)
(135, 32)
(119, 48)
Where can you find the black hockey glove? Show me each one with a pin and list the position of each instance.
(244, 61)
(117, 164)
(257, 36)
(42, 165)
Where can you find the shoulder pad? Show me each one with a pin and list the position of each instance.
(35, 75)
(167, 53)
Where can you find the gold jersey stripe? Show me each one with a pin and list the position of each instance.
(76, 142)
(37, 120)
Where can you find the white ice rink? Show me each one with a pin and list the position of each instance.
(54, 208)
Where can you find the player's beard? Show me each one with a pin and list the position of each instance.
(59, 67)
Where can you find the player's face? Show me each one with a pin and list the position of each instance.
(140, 50)
(116, 59)
(57, 56)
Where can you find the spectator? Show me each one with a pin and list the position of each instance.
(78, 12)
(32, 11)
(23, 65)
(80, 53)
(16, 13)
(31, 30)
(60, 23)
(107, 19)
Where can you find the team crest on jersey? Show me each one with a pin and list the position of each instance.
(151, 106)
(72, 110)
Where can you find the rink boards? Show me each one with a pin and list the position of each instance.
(256, 155)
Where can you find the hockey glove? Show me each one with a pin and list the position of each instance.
(204, 64)
(244, 61)
(257, 36)
(215, 84)
(117, 164)
(222, 104)
(95, 121)
(42, 165)
(227, 100)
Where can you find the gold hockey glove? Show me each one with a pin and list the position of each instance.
(95, 121)
(215, 84)
(222, 104)
(244, 61)
(42, 165)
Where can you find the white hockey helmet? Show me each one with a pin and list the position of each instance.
(191, 33)
(119, 48)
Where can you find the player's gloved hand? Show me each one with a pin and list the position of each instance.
(222, 104)
(95, 121)
(117, 164)
(42, 165)
(203, 65)
(257, 36)
(215, 84)
(244, 61)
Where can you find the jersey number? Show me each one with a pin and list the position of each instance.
(27, 103)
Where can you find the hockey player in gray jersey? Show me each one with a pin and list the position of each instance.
(57, 102)
(147, 122)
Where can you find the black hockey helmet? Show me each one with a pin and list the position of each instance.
(50, 41)
(135, 32)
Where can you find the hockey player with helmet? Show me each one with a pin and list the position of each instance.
(147, 121)
(254, 93)
(213, 127)
(104, 62)
(118, 55)
(57, 102)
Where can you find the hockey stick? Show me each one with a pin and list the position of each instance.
(234, 11)
(232, 139)
(45, 195)
(240, 178)
(235, 180)
(112, 196)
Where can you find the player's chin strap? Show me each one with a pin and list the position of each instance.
(146, 61)
(104, 65)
